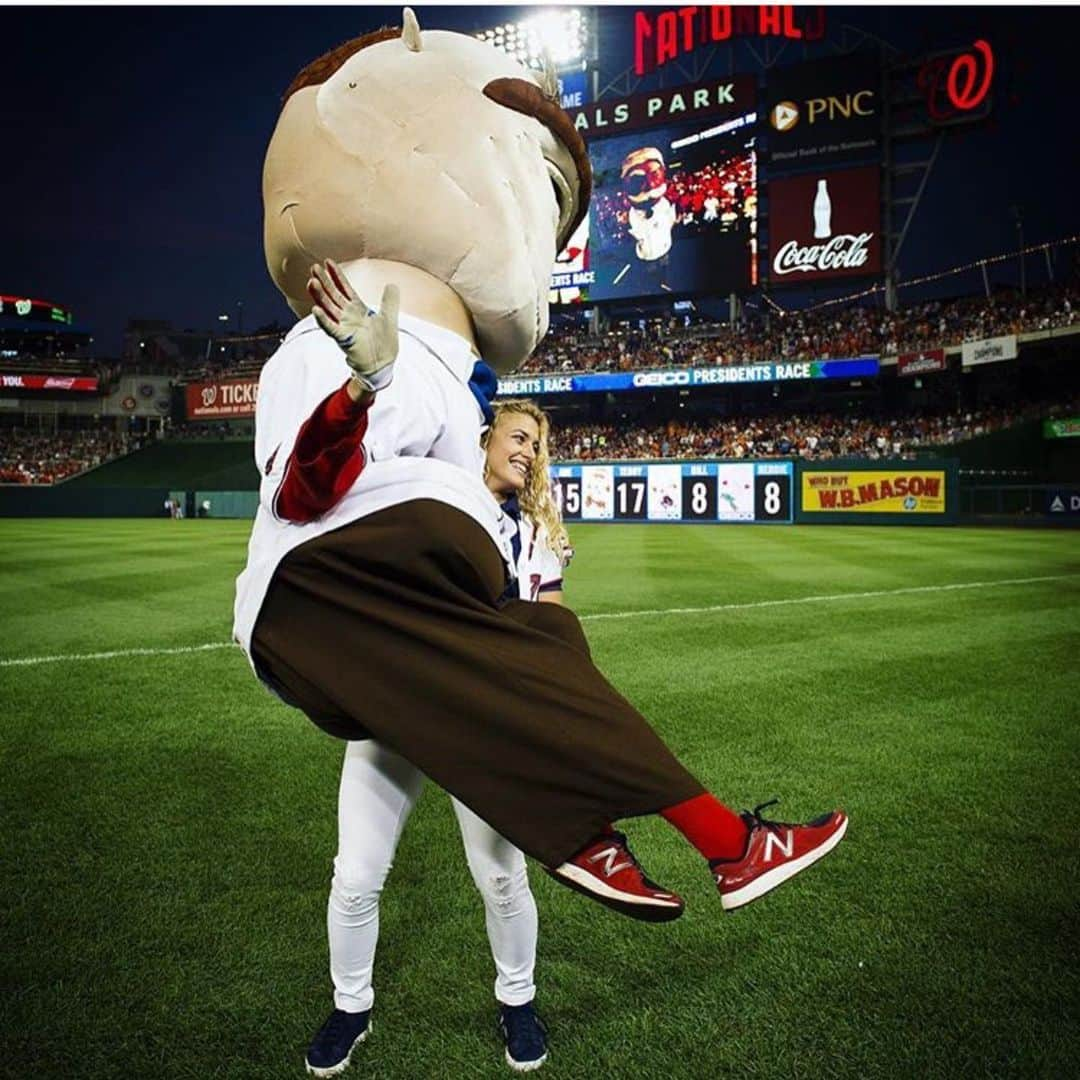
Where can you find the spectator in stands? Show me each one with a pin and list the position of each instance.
(35, 457)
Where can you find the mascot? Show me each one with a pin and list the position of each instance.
(416, 191)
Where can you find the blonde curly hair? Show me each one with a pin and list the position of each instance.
(535, 498)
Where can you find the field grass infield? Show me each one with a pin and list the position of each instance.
(168, 827)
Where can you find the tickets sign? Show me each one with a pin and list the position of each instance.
(886, 491)
(233, 397)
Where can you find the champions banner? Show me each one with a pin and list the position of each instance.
(232, 397)
(920, 363)
(989, 351)
(884, 491)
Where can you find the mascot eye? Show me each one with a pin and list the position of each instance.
(564, 198)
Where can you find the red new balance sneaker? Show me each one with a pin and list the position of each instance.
(607, 871)
(775, 851)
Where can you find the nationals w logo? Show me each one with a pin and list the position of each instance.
(772, 839)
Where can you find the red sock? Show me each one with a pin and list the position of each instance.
(716, 831)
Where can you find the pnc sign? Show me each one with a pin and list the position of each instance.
(824, 111)
(786, 114)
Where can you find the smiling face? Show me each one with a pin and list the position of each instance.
(445, 157)
(512, 448)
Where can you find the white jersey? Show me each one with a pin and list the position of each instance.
(539, 569)
(422, 442)
(652, 231)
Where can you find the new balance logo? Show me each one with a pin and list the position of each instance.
(608, 856)
(772, 839)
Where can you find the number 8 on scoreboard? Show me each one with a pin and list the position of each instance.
(772, 491)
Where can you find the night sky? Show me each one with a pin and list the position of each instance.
(135, 139)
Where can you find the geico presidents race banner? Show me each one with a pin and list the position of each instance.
(989, 351)
(824, 112)
(921, 363)
(887, 491)
(234, 397)
(75, 383)
(824, 226)
(861, 367)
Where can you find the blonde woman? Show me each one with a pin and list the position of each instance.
(516, 473)
(379, 788)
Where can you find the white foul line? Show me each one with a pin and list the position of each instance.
(827, 598)
(29, 661)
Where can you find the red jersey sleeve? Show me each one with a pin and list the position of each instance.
(326, 459)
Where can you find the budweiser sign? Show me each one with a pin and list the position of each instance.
(839, 253)
(825, 225)
(236, 397)
(75, 383)
(920, 363)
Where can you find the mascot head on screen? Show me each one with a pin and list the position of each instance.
(437, 152)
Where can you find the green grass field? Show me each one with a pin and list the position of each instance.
(168, 826)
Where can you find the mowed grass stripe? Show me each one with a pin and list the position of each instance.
(597, 617)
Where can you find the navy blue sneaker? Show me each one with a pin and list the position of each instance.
(525, 1037)
(332, 1047)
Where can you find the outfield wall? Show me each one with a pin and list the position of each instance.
(64, 500)
(774, 492)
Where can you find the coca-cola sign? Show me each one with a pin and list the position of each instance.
(825, 225)
(840, 252)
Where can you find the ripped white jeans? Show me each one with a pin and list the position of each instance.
(378, 790)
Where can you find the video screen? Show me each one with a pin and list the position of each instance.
(674, 210)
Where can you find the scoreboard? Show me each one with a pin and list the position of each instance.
(698, 491)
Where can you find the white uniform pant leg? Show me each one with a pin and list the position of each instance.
(378, 791)
(498, 868)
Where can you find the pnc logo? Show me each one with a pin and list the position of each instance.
(784, 116)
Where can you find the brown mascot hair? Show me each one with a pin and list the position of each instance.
(318, 71)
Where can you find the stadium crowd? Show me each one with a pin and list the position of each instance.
(682, 341)
(813, 335)
(812, 437)
(34, 457)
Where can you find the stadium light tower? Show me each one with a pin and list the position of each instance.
(560, 32)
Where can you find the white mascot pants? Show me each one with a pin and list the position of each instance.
(378, 791)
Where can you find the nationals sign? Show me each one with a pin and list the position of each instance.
(825, 225)
(233, 397)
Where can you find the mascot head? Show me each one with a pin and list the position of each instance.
(644, 176)
(436, 150)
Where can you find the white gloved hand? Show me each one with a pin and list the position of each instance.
(368, 338)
